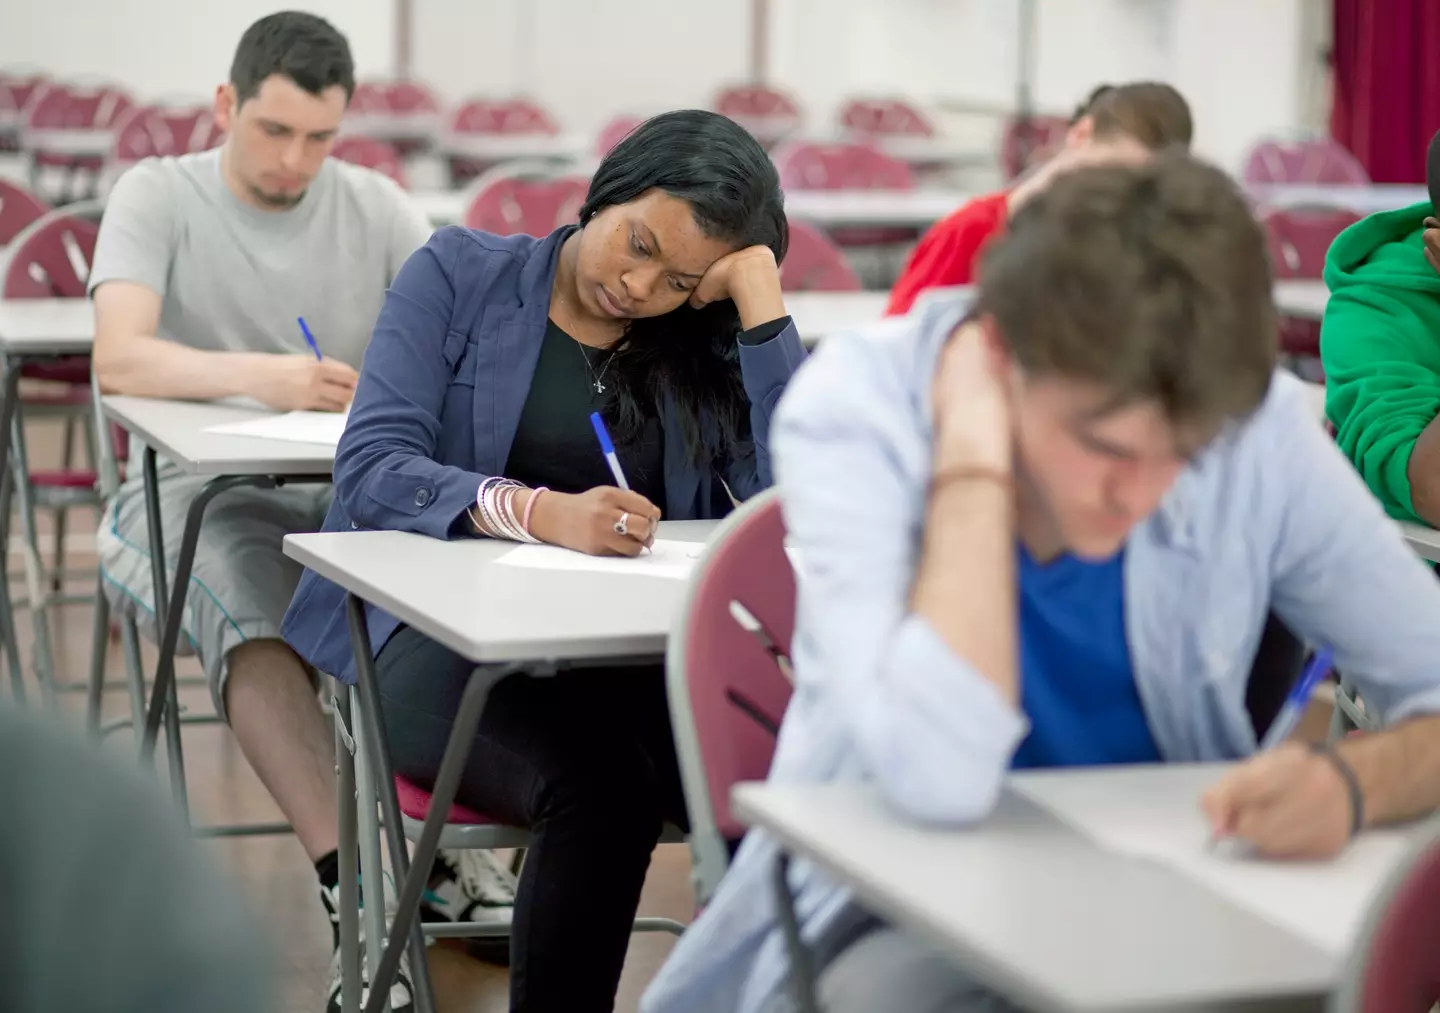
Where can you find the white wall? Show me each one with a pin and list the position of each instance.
(1246, 65)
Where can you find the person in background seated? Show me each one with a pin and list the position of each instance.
(202, 266)
(1380, 346)
(1046, 530)
(109, 904)
(1117, 122)
(662, 310)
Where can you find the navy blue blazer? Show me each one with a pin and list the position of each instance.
(444, 379)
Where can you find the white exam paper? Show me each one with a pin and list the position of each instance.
(666, 558)
(1322, 902)
(323, 428)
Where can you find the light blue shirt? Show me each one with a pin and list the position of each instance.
(1269, 516)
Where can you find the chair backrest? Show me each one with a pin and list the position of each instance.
(768, 113)
(51, 259)
(814, 263)
(724, 688)
(1394, 964)
(1320, 160)
(507, 205)
(504, 116)
(809, 166)
(16, 90)
(1299, 238)
(372, 154)
(614, 132)
(884, 117)
(19, 208)
(1024, 138)
(158, 131)
(77, 107)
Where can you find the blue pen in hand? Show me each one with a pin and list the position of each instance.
(608, 449)
(310, 339)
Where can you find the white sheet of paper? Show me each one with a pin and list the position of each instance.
(1322, 902)
(322, 428)
(665, 559)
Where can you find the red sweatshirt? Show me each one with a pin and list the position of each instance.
(948, 253)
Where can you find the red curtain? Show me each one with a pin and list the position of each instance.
(1386, 98)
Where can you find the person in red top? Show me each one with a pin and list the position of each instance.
(1116, 121)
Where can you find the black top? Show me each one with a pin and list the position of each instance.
(555, 445)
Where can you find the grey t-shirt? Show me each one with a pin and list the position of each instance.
(235, 278)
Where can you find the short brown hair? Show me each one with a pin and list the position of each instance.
(1149, 280)
(1153, 113)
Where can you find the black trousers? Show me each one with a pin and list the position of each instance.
(586, 760)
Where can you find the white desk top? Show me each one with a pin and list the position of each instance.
(47, 326)
(818, 314)
(176, 429)
(1425, 541)
(1363, 200)
(1041, 912)
(514, 147)
(1301, 297)
(457, 594)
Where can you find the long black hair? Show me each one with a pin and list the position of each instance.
(690, 355)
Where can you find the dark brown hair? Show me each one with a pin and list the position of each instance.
(1149, 280)
(1154, 114)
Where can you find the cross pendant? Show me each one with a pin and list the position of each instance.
(599, 387)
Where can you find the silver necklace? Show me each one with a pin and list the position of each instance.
(595, 379)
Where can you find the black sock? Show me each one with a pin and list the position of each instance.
(327, 867)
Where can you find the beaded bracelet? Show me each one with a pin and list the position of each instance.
(495, 500)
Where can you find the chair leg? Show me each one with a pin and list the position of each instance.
(349, 899)
(57, 575)
(372, 871)
(34, 568)
(99, 651)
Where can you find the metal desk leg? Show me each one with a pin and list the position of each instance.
(802, 974)
(457, 748)
(9, 401)
(349, 899)
(156, 531)
(35, 583)
(377, 756)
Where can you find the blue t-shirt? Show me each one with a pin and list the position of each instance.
(1077, 683)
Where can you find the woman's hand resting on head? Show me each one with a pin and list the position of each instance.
(751, 278)
(586, 521)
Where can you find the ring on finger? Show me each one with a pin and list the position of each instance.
(622, 526)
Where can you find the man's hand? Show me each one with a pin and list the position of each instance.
(1289, 802)
(303, 383)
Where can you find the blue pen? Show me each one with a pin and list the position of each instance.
(608, 449)
(1293, 709)
(310, 339)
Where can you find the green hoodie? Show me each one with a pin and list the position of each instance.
(1380, 345)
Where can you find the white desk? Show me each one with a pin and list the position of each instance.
(818, 314)
(923, 151)
(514, 147)
(1304, 298)
(176, 430)
(1425, 541)
(47, 326)
(504, 618)
(1363, 200)
(455, 593)
(1038, 911)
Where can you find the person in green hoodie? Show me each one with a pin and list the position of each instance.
(1380, 346)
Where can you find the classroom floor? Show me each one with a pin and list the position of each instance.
(273, 872)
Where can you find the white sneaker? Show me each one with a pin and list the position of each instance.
(402, 992)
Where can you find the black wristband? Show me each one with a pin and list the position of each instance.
(1352, 783)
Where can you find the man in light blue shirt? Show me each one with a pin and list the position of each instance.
(1048, 530)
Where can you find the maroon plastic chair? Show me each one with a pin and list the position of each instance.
(727, 688)
(510, 117)
(884, 117)
(372, 154)
(1394, 966)
(814, 264)
(403, 114)
(1298, 239)
(513, 204)
(1027, 141)
(19, 208)
(69, 130)
(808, 165)
(159, 131)
(1321, 161)
(16, 89)
(614, 132)
(768, 113)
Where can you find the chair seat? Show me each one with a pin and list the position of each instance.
(415, 803)
(73, 369)
(74, 397)
(63, 479)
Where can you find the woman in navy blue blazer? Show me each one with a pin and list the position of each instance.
(663, 311)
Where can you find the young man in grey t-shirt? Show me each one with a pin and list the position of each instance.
(203, 265)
